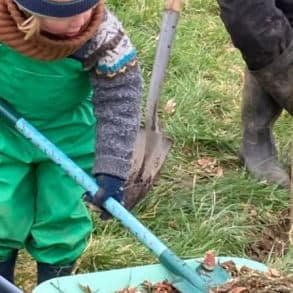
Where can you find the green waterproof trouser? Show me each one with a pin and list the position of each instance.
(41, 208)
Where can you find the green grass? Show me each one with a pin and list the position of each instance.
(192, 210)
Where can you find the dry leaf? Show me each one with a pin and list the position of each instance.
(274, 273)
(219, 171)
(291, 234)
(170, 106)
(210, 165)
(209, 261)
(230, 48)
(85, 289)
(129, 290)
(206, 162)
(253, 212)
(238, 290)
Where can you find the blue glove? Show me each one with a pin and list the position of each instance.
(110, 186)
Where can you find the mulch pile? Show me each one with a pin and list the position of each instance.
(147, 287)
(246, 280)
(243, 280)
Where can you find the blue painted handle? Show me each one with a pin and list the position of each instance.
(176, 265)
(7, 287)
(168, 258)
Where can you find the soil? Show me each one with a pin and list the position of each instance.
(272, 241)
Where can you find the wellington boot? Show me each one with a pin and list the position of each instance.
(276, 79)
(47, 271)
(258, 152)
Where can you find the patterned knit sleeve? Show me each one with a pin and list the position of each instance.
(117, 84)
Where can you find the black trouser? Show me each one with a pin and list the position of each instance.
(263, 34)
(258, 28)
(287, 7)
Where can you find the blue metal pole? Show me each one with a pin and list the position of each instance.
(175, 264)
(165, 255)
(7, 287)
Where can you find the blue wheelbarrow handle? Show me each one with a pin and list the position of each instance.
(7, 287)
(165, 255)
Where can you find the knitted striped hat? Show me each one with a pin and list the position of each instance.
(54, 8)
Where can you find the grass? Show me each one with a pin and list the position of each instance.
(189, 208)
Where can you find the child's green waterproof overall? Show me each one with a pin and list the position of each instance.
(40, 206)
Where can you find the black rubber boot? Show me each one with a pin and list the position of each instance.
(258, 152)
(277, 79)
(7, 267)
(47, 271)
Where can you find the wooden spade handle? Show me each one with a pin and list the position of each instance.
(174, 5)
(163, 48)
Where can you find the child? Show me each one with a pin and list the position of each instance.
(262, 30)
(63, 64)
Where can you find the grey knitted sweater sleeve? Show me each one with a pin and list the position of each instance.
(117, 89)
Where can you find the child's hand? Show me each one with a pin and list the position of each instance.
(110, 186)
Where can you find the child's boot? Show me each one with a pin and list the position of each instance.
(7, 267)
(47, 271)
(258, 152)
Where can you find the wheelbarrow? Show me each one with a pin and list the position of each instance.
(184, 275)
(132, 277)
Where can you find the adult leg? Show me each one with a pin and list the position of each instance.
(257, 28)
(259, 112)
(263, 34)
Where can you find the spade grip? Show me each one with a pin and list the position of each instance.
(174, 5)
